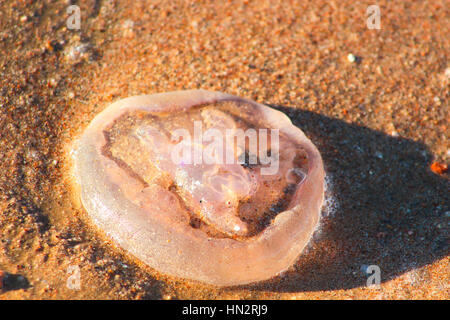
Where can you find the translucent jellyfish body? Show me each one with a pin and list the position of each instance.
(201, 185)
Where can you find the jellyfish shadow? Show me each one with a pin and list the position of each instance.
(385, 207)
(11, 282)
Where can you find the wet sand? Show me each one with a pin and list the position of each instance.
(379, 118)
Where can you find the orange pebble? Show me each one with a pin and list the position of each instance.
(438, 168)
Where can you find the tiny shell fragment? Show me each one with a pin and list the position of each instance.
(224, 223)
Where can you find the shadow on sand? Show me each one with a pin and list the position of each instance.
(389, 208)
(11, 282)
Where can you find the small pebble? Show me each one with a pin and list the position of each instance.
(351, 57)
(447, 73)
(79, 52)
(194, 24)
(53, 82)
(439, 168)
(379, 155)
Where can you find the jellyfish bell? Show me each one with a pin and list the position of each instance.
(219, 222)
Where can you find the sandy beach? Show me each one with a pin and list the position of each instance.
(375, 102)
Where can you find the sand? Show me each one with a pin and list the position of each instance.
(375, 102)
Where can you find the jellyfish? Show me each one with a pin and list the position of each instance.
(234, 206)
